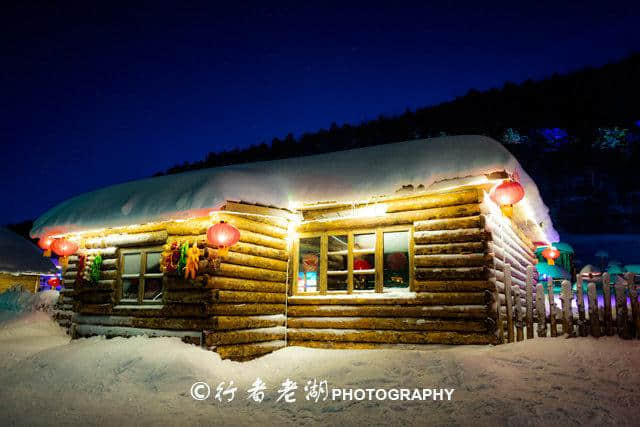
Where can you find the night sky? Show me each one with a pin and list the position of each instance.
(94, 95)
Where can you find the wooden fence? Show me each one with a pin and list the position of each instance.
(621, 318)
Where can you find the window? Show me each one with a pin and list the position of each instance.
(140, 276)
(396, 259)
(308, 264)
(357, 261)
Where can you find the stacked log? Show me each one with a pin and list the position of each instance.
(249, 287)
(240, 303)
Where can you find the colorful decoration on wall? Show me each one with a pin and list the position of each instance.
(80, 273)
(170, 258)
(182, 261)
(193, 259)
(96, 266)
(223, 235)
(45, 244)
(550, 254)
(506, 195)
(63, 248)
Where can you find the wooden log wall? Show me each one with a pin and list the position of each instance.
(509, 249)
(236, 309)
(452, 300)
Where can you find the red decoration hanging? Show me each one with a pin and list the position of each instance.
(310, 262)
(45, 244)
(507, 193)
(80, 273)
(361, 264)
(223, 235)
(64, 247)
(54, 282)
(551, 254)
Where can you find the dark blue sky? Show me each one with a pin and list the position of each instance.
(98, 94)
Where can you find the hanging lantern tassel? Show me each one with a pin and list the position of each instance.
(63, 248)
(45, 244)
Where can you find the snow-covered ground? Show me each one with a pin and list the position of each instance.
(46, 379)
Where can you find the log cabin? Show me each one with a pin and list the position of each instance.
(391, 245)
(21, 263)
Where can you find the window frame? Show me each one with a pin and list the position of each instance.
(378, 253)
(141, 276)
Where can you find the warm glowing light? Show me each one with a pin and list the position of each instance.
(371, 210)
(551, 254)
(45, 242)
(506, 195)
(54, 282)
(223, 235)
(64, 247)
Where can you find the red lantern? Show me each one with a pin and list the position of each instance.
(64, 247)
(506, 195)
(551, 254)
(54, 282)
(223, 235)
(45, 244)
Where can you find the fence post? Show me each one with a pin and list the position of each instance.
(635, 314)
(529, 302)
(594, 316)
(582, 321)
(621, 309)
(541, 311)
(499, 330)
(553, 327)
(567, 314)
(606, 294)
(508, 294)
(519, 317)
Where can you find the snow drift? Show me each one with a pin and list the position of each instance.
(350, 175)
(47, 380)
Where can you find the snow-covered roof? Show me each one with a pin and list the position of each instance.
(350, 175)
(20, 256)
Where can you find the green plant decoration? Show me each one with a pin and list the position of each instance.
(96, 265)
(182, 262)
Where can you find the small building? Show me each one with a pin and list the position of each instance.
(392, 244)
(21, 263)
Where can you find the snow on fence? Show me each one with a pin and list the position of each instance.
(617, 311)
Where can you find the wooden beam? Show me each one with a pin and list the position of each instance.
(462, 312)
(451, 248)
(385, 323)
(475, 221)
(387, 336)
(390, 219)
